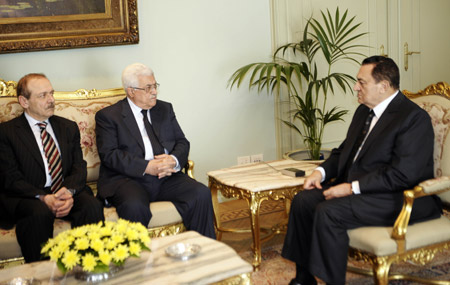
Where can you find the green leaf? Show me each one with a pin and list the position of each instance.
(306, 71)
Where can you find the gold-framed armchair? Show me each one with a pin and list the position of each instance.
(420, 242)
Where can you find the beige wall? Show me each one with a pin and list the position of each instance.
(193, 47)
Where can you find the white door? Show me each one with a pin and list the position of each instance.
(419, 41)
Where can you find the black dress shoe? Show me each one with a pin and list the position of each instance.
(295, 282)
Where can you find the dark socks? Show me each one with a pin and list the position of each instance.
(304, 277)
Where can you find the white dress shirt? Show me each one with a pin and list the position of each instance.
(37, 135)
(139, 117)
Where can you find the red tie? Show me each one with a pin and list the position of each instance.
(53, 157)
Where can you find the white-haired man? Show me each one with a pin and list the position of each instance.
(142, 149)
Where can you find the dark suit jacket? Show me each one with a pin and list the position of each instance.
(121, 147)
(397, 155)
(21, 165)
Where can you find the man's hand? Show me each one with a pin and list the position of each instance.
(163, 165)
(313, 181)
(167, 166)
(60, 203)
(340, 190)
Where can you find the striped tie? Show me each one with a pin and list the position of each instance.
(53, 157)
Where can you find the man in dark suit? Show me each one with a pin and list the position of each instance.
(142, 149)
(43, 174)
(361, 183)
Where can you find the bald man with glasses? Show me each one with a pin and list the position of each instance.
(142, 150)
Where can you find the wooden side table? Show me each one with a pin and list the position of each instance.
(256, 183)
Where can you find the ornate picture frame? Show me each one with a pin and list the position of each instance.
(114, 24)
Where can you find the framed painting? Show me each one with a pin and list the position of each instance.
(31, 25)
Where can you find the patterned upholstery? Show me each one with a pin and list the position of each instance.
(438, 107)
(81, 107)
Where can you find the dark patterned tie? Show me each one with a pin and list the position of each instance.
(53, 157)
(156, 145)
(359, 141)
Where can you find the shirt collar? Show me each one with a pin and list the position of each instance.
(380, 108)
(32, 121)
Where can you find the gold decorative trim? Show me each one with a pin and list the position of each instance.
(168, 230)
(254, 200)
(8, 89)
(440, 88)
(381, 264)
(11, 262)
(242, 279)
(117, 25)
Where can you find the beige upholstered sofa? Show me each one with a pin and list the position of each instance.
(81, 106)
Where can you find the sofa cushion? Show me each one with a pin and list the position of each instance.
(164, 213)
(378, 241)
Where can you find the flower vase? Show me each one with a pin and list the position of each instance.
(94, 277)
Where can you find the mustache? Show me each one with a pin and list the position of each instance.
(51, 106)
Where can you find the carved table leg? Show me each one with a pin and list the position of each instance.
(215, 202)
(255, 203)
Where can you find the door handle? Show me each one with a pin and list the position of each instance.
(406, 53)
(382, 51)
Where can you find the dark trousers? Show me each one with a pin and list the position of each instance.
(35, 221)
(191, 199)
(317, 240)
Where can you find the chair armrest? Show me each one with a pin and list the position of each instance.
(189, 169)
(428, 187)
(436, 185)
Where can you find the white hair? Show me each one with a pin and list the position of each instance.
(131, 73)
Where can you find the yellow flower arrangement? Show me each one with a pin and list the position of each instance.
(94, 247)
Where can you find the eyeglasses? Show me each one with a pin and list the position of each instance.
(148, 87)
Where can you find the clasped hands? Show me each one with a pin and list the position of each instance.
(162, 165)
(340, 190)
(60, 203)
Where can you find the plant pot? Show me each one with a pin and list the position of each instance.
(303, 154)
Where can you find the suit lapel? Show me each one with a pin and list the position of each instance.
(353, 133)
(24, 131)
(57, 129)
(131, 124)
(385, 120)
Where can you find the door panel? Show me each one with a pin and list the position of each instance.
(425, 28)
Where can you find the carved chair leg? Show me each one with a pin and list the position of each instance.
(381, 272)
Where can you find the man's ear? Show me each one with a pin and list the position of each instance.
(130, 92)
(384, 85)
(23, 102)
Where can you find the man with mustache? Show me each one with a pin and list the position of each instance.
(43, 174)
(142, 148)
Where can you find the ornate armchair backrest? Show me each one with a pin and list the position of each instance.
(79, 106)
(435, 99)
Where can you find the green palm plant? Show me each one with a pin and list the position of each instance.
(307, 87)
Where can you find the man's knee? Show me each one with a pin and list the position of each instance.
(203, 192)
(41, 217)
(134, 210)
(304, 200)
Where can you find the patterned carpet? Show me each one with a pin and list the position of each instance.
(276, 270)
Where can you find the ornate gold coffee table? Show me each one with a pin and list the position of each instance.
(256, 183)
